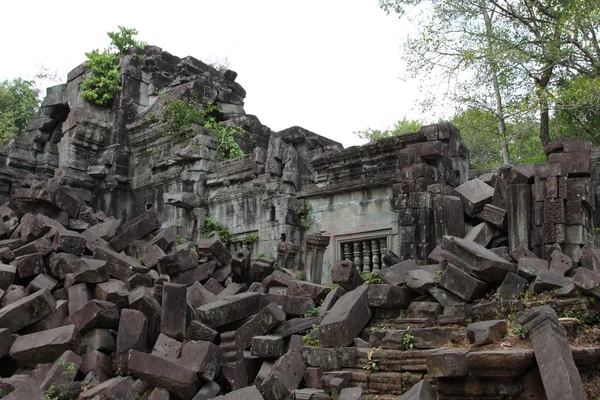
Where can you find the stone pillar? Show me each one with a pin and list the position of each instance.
(519, 216)
(315, 250)
(366, 246)
(286, 253)
(375, 251)
(347, 251)
(553, 355)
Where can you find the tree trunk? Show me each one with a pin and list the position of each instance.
(542, 96)
(494, 75)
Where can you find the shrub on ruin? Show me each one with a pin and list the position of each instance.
(103, 79)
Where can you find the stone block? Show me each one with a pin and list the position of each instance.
(122, 260)
(142, 299)
(213, 286)
(587, 281)
(232, 289)
(201, 273)
(247, 393)
(42, 281)
(424, 309)
(481, 234)
(481, 262)
(230, 309)
(345, 274)
(174, 263)
(211, 389)
(236, 374)
(396, 274)
(474, 195)
(354, 393)
(13, 293)
(95, 314)
(421, 391)
(132, 332)
(548, 280)
(69, 242)
(511, 287)
(97, 363)
(61, 373)
(494, 215)
(88, 270)
(346, 319)
(115, 388)
(113, 291)
(308, 289)
(27, 310)
(462, 284)
(388, 296)
(167, 347)
(240, 267)
(79, 295)
(198, 331)
(291, 305)
(29, 265)
(198, 295)
(264, 321)
(151, 256)
(446, 364)
(45, 346)
(174, 306)
(97, 339)
(8, 274)
(486, 332)
(420, 280)
(285, 376)
(560, 263)
(42, 245)
(214, 249)
(529, 268)
(445, 298)
(6, 341)
(296, 325)
(204, 358)
(135, 229)
(267, 346)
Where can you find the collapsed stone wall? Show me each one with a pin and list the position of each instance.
(97, 274)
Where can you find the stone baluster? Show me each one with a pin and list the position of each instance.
(366, 246)
(315, 251)
(348, 251)
(358, 255)
(375, 252)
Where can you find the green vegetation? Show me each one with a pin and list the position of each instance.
(305, 213)
(519, 72)
(18, 105)
(300, 275)
(68, 375)
(586, 317)
(103, 79)
(183, 114)
(400, 128)
(372, 364)
(251, 238)
(372, 278)
(313, 312)
(210, 226)
(408, 340)
(309, 339)
(521, 332)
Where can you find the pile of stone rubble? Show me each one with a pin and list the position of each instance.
(96, 308)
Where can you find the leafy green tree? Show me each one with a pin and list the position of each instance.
(399, 128)
(18, 105)
(512, 57)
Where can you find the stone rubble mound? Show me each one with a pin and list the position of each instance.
(93, 307)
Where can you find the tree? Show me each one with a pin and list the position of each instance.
(523, 53)
(401, 127)
(18, 105)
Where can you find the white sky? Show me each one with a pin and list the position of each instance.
(330, 66)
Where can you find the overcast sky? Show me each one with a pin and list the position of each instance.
(330, 66)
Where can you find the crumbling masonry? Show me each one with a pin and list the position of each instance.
(415, 262)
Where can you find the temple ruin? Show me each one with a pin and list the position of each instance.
(376, 270)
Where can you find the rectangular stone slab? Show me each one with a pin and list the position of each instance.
(346, 318)
(28, 310)
(45, 346)
(159, 372)
(230, 309)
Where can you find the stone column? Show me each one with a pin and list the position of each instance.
(553, 355)
(519, 216)
(315, 250)
(286, 253)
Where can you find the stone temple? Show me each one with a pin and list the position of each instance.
(104, 233)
